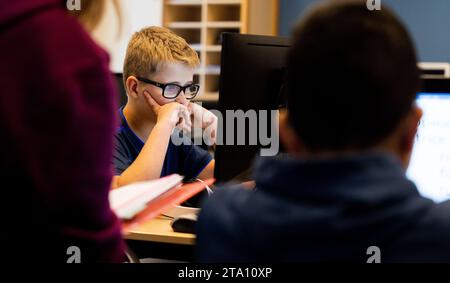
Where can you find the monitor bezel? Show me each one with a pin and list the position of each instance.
(435, 85)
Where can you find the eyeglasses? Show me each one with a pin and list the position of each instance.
(171, 91)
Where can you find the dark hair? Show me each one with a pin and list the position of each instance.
(352, 76)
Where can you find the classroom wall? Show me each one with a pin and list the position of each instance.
(427, 20)
(136, 14)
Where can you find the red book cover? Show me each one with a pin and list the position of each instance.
(166, 201)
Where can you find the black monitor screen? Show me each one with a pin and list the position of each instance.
(252, 72)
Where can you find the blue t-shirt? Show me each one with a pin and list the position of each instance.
(186, 159)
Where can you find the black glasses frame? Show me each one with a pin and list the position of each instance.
(164, 86)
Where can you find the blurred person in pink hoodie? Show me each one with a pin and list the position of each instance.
(57, 108)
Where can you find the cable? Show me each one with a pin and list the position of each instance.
(208, 189)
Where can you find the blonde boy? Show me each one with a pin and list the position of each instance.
(158, 77)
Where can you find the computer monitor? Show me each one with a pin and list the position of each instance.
(430, 161)
(252, 71)
(251, 78)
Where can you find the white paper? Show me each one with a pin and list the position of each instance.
(129, 200)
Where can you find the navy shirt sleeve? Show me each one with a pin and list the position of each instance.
(194, 159)
(121, 156)
(185, 159)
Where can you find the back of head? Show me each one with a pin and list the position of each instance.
(352, 76)
(151, 47)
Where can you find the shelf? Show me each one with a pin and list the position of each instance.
(202, 22)
(209, 97)
(213, 48)
(200, 2)
(212, 95)
(196, 79)
(192, 36)
(208, 70)
(211, 84)
(212, 70)
(185, 25)
(213, 35)
(199, 25)
(220, 13)
(224, 24)
(173, 14)
(185, 2)
(224, 2)
(213, 60)
(196, 46)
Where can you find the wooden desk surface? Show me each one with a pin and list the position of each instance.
(159, 230)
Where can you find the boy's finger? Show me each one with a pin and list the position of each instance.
(188, 119)
(183, 107)
(186, 129)
(151, 101)
(184, 113)
(186, 122)
(193, 109)
(182, 126)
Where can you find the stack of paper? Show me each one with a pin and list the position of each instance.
(129, 200)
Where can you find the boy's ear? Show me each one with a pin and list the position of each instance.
(410, 129)
(132, 87)
(403, 138)
(288, 135)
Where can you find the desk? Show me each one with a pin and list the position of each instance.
(156, 239)
(159, 230)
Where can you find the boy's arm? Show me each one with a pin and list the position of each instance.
(148, 164)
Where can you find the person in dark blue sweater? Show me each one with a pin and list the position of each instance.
(341, 193)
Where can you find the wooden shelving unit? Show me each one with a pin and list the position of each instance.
(201, 23)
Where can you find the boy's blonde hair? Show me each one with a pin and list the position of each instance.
(150, 47)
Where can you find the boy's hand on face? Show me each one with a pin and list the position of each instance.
(205, 119)
(174, 114)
